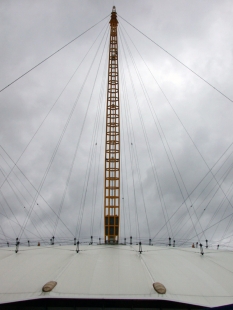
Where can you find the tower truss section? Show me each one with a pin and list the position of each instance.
(112, 144)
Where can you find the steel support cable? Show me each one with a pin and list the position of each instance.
(154, 170)
(28, 193)
(122, 180)
(44, 119)
(179, 186)
(181, 226)
(197, 185)
(21, 203)
(10, 209)
(210, 202)
(94, 178)
(11, 220)
(135, 200)
(209, 169)
(222, 181)
(127, 118)
(230, 189)
(180, 119)
(93, 192)
(228, 245)
(5, 215)
(93, 87)
(177, 60)
(177, 224)
(75, 154)
(3, 173)
(123, 162)
(3, 231)
(211, 226)
(15, 164)
(136, 155)
(96, 187)
(153, 111)
(124, 90)
(97, 181)
(169, 103)
(219, 240)
(53, 54)
(122, 189)
(218, 225)
(209, 184)
(58, 144)
(180, 219)
(98, 127)
(93, 189)
(89, 162)
(124, 144)
(227, 173)
(126, 174)
(159, 189)
(80, 135)
(227, 227)
(144, 132)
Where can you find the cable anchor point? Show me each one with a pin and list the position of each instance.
(17, 245)
(201, 249)
(77, 247)
(169, 241)
(140, 247)
(91, 241)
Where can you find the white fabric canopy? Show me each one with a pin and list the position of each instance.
(117, 272)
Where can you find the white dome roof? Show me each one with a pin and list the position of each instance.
(117, 272)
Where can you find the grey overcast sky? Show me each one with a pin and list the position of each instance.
(176, 130)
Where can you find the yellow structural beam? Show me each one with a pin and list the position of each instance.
(112, 143)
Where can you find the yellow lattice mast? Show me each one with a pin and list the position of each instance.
(112, 144)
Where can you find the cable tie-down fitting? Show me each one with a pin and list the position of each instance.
(201, 249)
(140, 247)
(17, 245)
(77, 247)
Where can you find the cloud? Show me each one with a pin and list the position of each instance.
(168, 144)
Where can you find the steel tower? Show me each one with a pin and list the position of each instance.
(112, 143)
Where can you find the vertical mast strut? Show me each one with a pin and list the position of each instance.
(112, 144)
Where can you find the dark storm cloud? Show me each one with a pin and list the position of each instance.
(197, 33)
